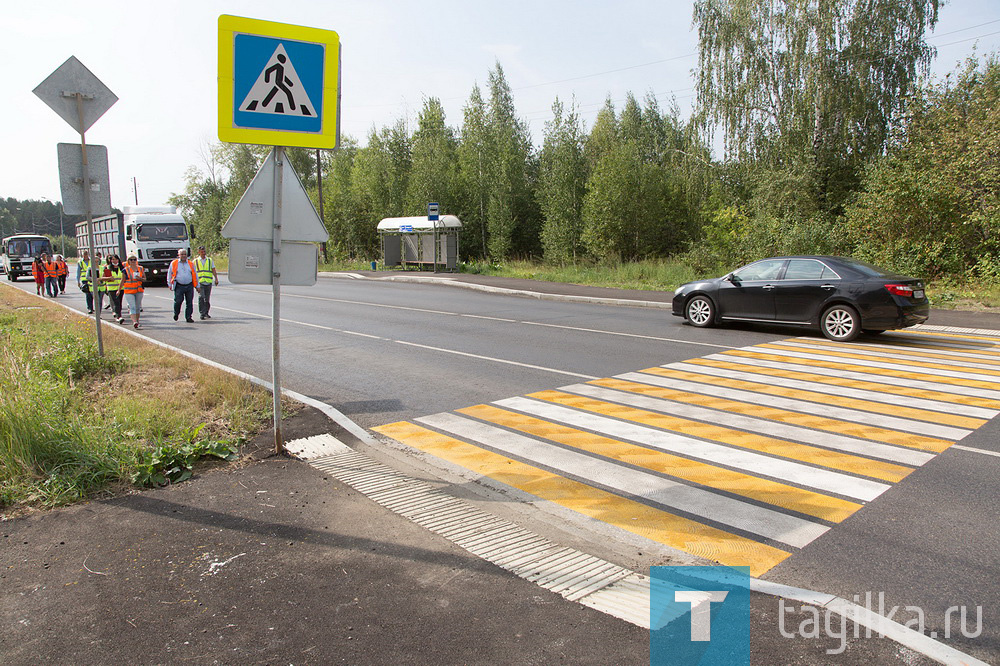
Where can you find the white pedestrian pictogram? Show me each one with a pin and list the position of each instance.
(278, 89)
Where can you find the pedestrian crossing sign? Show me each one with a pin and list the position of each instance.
(279, 84)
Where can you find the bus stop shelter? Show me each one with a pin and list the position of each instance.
(420, 243)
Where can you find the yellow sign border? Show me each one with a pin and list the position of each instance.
(229, 27)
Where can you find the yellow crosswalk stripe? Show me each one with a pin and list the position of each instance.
(804, 501)
(910, 392)
(660, 526)
(988, 341)
(868, 369)
(778, 447)
(858, 430)
(861, 357)
(824, 398)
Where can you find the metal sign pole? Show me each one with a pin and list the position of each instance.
(90, 229)
(279, 165)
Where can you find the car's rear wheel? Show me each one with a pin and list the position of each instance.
(700, 311)
(840, 323)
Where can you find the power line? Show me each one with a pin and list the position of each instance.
(989, 34)
(978, 25)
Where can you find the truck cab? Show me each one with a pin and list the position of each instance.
(155, 234)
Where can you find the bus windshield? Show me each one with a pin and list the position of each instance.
(161, 232)
(23, 247)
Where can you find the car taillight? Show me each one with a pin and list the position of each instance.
(900, 290)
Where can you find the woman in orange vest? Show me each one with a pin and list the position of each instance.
(63, 272)
(38, 272)
(131, 286)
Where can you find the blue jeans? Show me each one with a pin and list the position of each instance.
(52, 286)
(184, 292)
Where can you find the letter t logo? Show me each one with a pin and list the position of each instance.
(701, 610)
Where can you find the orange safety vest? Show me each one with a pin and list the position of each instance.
(51, 269)
(63, 268)
(133, 280)
(172, 273)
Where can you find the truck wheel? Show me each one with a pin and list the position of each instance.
(12, 276)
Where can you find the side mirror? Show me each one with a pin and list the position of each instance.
(732, 277)
(128, 233)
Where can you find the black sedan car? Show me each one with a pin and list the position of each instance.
(842, 297)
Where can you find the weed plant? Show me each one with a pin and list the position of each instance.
(75, 424)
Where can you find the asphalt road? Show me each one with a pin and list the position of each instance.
(393, 352)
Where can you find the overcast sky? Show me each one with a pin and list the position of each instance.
(160, 59)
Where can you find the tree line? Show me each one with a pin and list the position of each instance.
(835, 142)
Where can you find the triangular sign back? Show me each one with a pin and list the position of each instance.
(253, 217)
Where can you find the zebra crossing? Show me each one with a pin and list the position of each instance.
(743, 456)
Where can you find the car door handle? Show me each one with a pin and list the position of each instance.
(828, 287)
(768, 287)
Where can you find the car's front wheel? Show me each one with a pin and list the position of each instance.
(840, 323)
(700, 311)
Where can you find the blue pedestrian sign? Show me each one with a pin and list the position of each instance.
(278, 84)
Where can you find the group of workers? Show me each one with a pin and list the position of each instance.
(123, 283)
(50, 275)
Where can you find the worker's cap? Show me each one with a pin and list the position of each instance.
(201, 247)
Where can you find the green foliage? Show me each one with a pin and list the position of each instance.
(174, 462)
(434, 171)
(932, 206)
(561, 185)
(807, 83)
(732, 238)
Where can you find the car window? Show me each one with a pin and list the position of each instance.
(762, 270)
(866, 269)
(808, 269)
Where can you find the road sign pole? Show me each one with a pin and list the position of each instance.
(90, 228)
(279, 167)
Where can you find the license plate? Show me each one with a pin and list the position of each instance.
(918, 293)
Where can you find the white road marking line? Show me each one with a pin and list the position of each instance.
(794, 472)
(801, 406)
(770, 524)
(767, 427)
(842, 391)
(627, 335)
(497, 360)
(975, 450)
(970, 391)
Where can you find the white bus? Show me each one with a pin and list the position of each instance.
(19, 251)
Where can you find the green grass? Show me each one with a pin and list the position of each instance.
(76, 425)
(658, 275)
